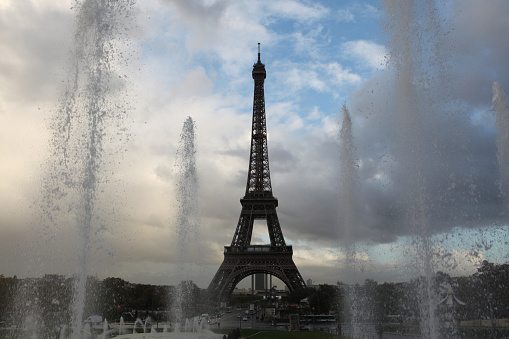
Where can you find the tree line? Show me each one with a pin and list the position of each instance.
(484, 296)
(49, 300)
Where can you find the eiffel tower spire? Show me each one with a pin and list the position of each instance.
(258, 202)
(242, 259)
(258, 179)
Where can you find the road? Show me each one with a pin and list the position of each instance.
(235, 320)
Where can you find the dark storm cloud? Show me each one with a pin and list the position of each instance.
(195, 48)
(479, 37)
(283, 159)
(198, 12)
(453, 148)
(306, 185)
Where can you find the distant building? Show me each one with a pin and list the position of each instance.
(309, 283)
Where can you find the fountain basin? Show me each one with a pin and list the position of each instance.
(171, 335)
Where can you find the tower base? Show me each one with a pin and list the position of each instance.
(239, 263)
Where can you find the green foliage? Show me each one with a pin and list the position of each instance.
(8, 288)
(115, 298)
(297, 295)
(322, 299)
(485, 293)
(263, 334)
(377, 301)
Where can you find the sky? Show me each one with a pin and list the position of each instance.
(424, 134)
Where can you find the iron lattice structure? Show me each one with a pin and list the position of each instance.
(242, 259)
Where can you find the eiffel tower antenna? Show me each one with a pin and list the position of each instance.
(241, 259)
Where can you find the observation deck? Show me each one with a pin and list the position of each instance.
(258, 249)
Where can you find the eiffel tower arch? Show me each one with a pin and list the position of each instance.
(241, 259)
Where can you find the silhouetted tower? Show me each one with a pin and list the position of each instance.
(242, 259)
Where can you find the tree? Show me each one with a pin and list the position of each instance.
(115, 298)
(323, 299)
(492, 280)
(8, 288)
(297, 295)
(54, 299)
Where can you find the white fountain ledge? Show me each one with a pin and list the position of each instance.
(170, 335)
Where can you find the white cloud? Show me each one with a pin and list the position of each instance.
(232, 29)
(296, 10)
(345, 15)
(365, 52)
(320, 77)
(341, 76)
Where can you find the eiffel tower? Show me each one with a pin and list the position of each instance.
(241, 259)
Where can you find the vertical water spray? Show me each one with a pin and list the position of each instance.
(347, 192)
(90, 117)
(348, 177)
(188, 215)
(501, 107)
(416, 57)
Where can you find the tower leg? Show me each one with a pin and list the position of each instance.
(238, 265)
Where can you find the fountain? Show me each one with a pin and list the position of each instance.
(88, 119)
(187, 220)
(500, 106)
(106, 328)
(348, 186)
(416, 60)
(121, 326)
(191, 333)
(136, 322)
(172, 335)
(82, 126)
(419, 89)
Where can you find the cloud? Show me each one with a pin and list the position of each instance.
(345, 15)
(479, 52)
(443, 139)
(320, 77)
(367, 53)
(230, 29)
(27, 31)
(296, 10)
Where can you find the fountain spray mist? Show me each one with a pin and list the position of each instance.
(90, 116)
(417, 59)
(501, 107)
(348, 177)
(187, 223)
(348, 182)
